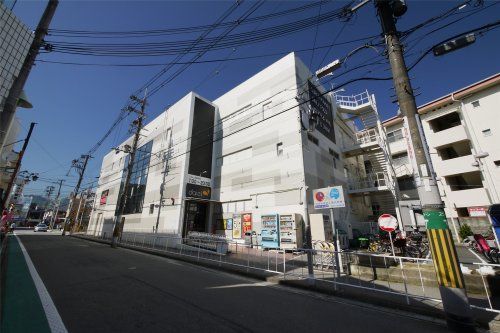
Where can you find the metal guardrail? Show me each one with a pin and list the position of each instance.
(353, 101)
(412, 278)
(375, 179)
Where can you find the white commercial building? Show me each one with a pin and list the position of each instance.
(235, 164)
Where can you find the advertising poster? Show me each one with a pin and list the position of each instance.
(247, 222)
(237, 226)
(329, 197)
(104, 197)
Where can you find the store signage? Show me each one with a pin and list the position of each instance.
(197, 191)
(387, 222)
(237, 226)
(476, 211)
(104, 197)
(323, 109)
(197, 180)
(329, 197)
(247, 222)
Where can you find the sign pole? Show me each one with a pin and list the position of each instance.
(392, 244)
(335, 243)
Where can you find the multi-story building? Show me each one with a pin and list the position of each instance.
(15, 41)
(250, 153)
(460, 130)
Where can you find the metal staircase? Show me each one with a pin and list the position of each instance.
(371, 143)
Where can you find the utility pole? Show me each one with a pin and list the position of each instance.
(9, 109)
(80, 165)
(5, 200)
(138, 123)
(166, 158)
(449, 275)
(54, 216)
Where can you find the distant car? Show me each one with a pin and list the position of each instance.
(41, 227)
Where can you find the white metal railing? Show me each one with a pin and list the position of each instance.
(353, 101)
(367, 136)
(372, 180)
(411, 278)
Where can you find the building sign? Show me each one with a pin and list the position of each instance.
(323, 108)
(104, 197)
(202, 135)
(197, 191)
(237, 226)
(198, 180)
(476, 211)
(247, 222)
(329, 197)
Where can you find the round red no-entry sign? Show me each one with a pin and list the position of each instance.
(387, 222)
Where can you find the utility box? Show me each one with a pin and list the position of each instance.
(321, 227)
(291, 231)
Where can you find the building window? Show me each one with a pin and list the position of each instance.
(486, 132)
(279, 148)
(400, 159)
(395, 135)
(475, 104)
(138, 179)
(313, 139)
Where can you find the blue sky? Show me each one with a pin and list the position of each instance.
(75, 105)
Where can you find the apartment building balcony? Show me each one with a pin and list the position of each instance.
(455, 166)
(373, 182)
(469, 198)
(397, 147)
(447, 136)
(354, 104)
(365, 141)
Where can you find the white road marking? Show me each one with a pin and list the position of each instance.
(54, 319)
(474, 253)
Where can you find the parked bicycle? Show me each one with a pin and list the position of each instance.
(416, 245)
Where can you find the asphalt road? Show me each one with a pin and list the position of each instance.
(99, 289)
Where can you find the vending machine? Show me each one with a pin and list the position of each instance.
(270, 231)
(291, 231)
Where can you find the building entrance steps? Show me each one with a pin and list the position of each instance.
(22, 309)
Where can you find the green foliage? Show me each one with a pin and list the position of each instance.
(465, 231)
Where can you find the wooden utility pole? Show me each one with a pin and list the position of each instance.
(138, 123)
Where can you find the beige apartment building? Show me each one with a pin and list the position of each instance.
(462, 131)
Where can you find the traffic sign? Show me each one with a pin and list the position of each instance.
(387, 222)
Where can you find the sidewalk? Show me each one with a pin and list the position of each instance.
(22, 310)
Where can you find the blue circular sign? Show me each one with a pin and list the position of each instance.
(334, 193)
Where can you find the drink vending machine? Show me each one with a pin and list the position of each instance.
(291, 231)
(270, 231)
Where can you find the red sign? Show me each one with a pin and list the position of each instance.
(476, 211)
(387, 222)
(247, 222)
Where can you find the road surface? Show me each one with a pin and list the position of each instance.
(99, 289)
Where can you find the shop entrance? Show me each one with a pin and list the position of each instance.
(195, 217)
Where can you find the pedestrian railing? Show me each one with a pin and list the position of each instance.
(414, 279)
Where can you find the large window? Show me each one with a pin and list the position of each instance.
(395, 136)
(138, 179)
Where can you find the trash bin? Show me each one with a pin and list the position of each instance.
(248, 239)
